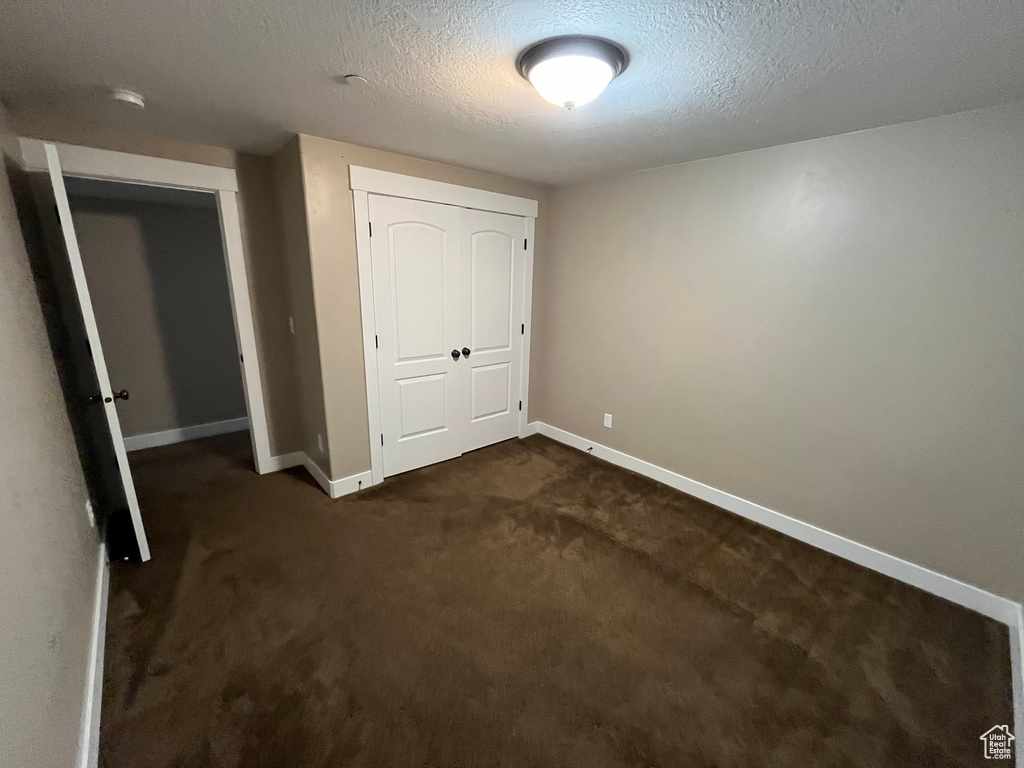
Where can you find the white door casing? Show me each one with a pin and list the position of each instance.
(448, 312)
(493, 256)
(416, 284)
(368, 183)
(92, 331)
(91, 163)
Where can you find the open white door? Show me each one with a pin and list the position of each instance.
(106, 393)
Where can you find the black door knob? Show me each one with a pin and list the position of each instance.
(455, 354)
(122, 395)
(465, 351)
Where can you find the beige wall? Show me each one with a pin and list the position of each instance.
(262, 245)
(49, 552)
(160, 292)
(266, 270)
(335, 276)
(291, 202)
(104, 137)
(832, 329)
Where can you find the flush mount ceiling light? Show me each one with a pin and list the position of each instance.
(126, 96)
(572, 70)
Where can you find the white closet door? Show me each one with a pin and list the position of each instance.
(415, 251)
(493, 260)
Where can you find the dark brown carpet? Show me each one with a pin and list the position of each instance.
(524, 605)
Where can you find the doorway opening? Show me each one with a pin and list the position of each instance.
(154, 262)
(157, 299)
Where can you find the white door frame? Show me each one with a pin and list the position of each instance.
(366, 181)
(86, 162)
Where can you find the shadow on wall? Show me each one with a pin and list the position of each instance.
(159, 287)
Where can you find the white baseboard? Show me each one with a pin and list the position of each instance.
(977, 599)
(89, 737)
(337, 488)
(1017, 662)
(180, 435)
(999, 608)
(351, 484)
(284, 461)
(333, 488)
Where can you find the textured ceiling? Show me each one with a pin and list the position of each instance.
(707, 77)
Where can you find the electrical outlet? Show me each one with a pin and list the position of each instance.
(291, 325)
(608, 420)
(320, 442)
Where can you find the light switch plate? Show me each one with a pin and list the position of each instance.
(608, 420)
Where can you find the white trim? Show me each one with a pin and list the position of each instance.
(367, 180)
(337, 488)
(92, 163)
(415, 188)
(977, 599)
(986, 603)
(1017, 665)
(89, 736)
(181, 434)
(33, 155)
(369, 322)
(285, 461)
(223, 182)
(245, 331)
(524, 370)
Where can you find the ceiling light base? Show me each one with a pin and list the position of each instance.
(126, 96)
(573, 45)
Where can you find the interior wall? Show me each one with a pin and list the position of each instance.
(291, 200)
(330, 219)
(49, 128)
(49, 551)
(831, 329)
(267, 273)
(262, 245)
(159, 288)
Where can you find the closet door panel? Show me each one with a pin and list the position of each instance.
(415, 252)
(493, 259)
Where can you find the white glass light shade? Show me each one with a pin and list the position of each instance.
(571, 81)
(571, 70)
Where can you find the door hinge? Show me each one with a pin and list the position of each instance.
(370, 223)
(376, 341)
(241, 358)
(520, 405)
(382, 439)
(525, 240)
(522, 331)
